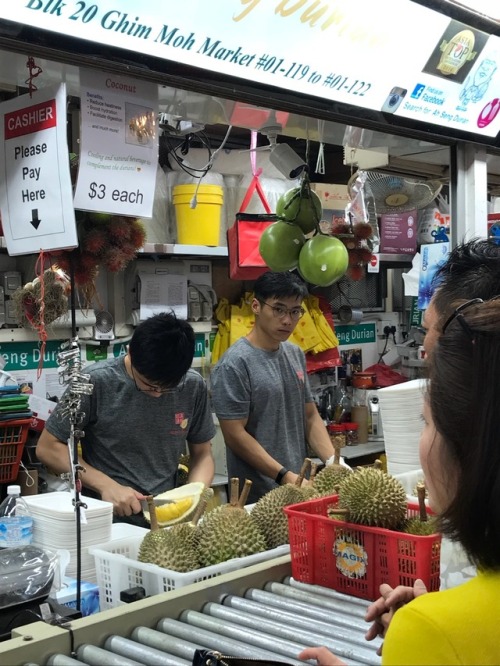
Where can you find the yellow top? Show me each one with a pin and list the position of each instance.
(456, 626)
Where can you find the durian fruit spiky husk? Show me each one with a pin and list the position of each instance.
(195, 491)
(373, 498)
(172, 548)
(228, 531)
(328, 479)
(268, 511)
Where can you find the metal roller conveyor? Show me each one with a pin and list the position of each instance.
(337, 618)
(259, 612)
(280, 630)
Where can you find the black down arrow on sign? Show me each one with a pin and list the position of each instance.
(35, 221)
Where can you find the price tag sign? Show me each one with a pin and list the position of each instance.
(36, 197)
(119, 147)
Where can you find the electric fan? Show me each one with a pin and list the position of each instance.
(398, 194)
(103, 329)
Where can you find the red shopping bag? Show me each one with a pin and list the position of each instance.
(245, 262)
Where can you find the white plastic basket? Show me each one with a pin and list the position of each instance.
(117, 569)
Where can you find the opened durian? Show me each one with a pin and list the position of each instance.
(373, 497)
(421, 525)
(328, 479)
(172, 548)
(268, 511)
(228, 531)
(182, 505)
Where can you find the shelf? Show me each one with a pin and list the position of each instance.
(177, 249)
(405, 259)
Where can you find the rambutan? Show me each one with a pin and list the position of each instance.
(362, 230)
(356, 273)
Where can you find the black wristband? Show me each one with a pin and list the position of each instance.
(282, 473)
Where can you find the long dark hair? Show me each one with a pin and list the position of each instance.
(464, 398)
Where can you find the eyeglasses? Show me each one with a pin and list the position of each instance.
(154, 388)
(457, 314)
(280, 311)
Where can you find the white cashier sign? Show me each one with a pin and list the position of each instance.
(36, 198)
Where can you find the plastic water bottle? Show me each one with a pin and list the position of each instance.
(16, 523)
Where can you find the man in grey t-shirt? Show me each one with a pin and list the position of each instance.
(145, 408)
(261, 394)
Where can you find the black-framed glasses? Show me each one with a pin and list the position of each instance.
(457, 314)
(280, 311)
(145, 387)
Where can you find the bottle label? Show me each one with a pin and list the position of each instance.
(15, 531)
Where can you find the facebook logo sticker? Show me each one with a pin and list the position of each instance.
(417, 91)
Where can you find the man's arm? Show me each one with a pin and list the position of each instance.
(317, 434)
(201, 463)
(248, 449)
(55, 456)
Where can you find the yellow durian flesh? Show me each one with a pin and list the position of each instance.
(184, 501)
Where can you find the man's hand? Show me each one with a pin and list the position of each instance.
(126, 501)
(381, 611)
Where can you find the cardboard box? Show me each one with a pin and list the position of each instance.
(89, 596)
(334, 199)
(398, 233)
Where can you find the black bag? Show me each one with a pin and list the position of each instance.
(214, 658)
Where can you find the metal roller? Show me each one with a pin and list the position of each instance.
(290, 592)
(61, 660)
(325, 592)
(260, 638)
(300, 607)
(216, 641)
(282, 631)
(96, 656)
(165, 642)
(143, 653)
(347, 633)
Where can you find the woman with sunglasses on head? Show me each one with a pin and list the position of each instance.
(261, 394)
(460, 457)
(146, 407)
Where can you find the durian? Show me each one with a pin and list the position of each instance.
(328, 479)
(172, 548)
(421, 525)
(182, 504)
(228, 531)
(374, 498)
(268, 511)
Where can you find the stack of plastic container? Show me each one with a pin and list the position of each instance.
(54, 527)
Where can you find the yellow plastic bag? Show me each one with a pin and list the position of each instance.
(328, 339)
(242, 319)
(305, 334)
(221, 342)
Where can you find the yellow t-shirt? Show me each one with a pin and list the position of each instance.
(456, 626)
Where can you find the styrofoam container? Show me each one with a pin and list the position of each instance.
(117, 569)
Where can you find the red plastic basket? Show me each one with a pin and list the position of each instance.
(355, 559)
(13, 435)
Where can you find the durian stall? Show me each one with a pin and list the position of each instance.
(269, 610)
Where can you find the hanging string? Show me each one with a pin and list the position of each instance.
(253, 152)
(40, 326)
(34, 71)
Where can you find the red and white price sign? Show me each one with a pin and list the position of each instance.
(36, 196)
